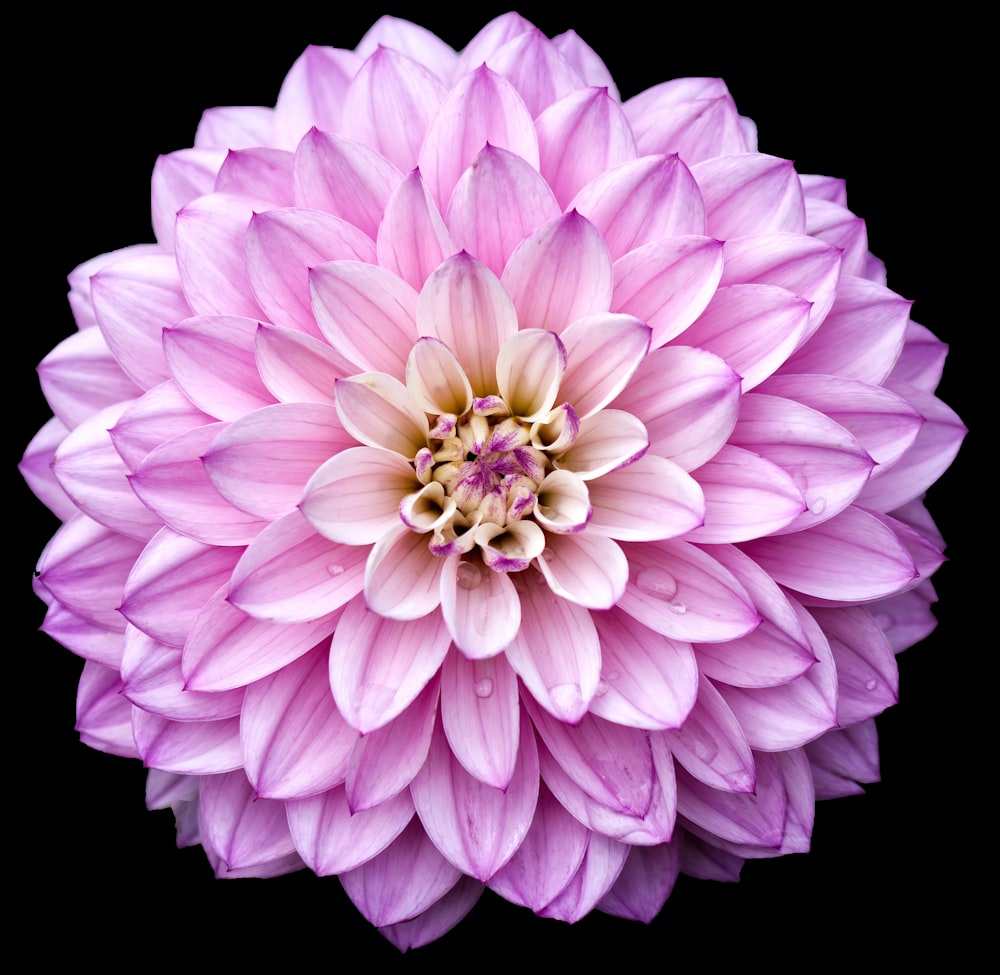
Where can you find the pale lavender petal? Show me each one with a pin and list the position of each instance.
(295, 741)
(481, 607)
(379, 411)
(668, 283)
(282, 245)
(227, 648)
(687, 399)
(211, 246)
(602, 864)
(402, 577)
(414, 41)
(257, 171)
(750, 193)
(464, 305)
(607, 441)
(295, 367)
(385, 761)
(832, 222)
(843, 758)
(188, 747)
(291, 574)
(262, 462)
(178, 178)
(234, 127)
(922, 360)
(312, 93)
(682, 592)
(366, 313)
(36, 469)
(482, 108)
(498, 201)
(479, 715)
(438, 919)
(101, 644)
(103, 714)
(402, 881)
(333, 839)
(586, 569)
(80, 376)
(379, 665)
(642, 201)
(559, 274)
(556, 652)
(476, 826)
(647, 679)
(545, 862)
(644, 883)
(212, 361)
(134, 300)
(412, 237)
(390, 103)
(243, 829)
(536, 68)
(581, 136)
(345, 178)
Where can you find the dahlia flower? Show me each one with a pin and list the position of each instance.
(483, 482)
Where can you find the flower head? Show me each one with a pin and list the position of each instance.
(490, 483)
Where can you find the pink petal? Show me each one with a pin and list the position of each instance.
(80, 376)
(85, 639)
(211, 248)
(651, 498)
(498, 202)
(556, 652)
(607, 441)
(188, 747)
(333, 839)
(754, 327)
(479, 715)
(750, 193)
(922, 360)
(533, 64)
(414, 41)
(290, 574)
(377, 410)
(481, 607)
(464, 305)
(560, 273)
(833, 223)
(295, 367)
(226, 648)
(152, 679)
(172, 482)
(644, 884)
(687, 399)
(282, 245)
(711, 745)
(826, 462)
(171, 580)
(402, 577)
(163, 413)
(36, 469)
(852, 557)
(103, 715)
(366, 313)
(412, 237)
(580, 137)
(91, 472)
(345, 178)
(682, 592)
(85, 565)
(262, 462)
(242, 829)
(438, 919)
(379, 665)
(544, 864)
(385, 761)
(389, 105)
(746, 497)
(602, 865)
(256, 171)
(668, 283)
(402, 881)
(586, 569)
(477, 827)
(482, 108)
(295, 742)
(860, 339)
(212, 360)
(642, 201)
(178, 178)
(134, 300)
(844, 757)
(647, 679)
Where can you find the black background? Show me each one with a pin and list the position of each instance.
(890, 872)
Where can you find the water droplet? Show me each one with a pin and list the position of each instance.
(469, 575)
(613, 675)
(871, 684)
(679, 608)
(800, 481)
(484, 687)
(602, 688)
(334, 569)
(567, 699)
(817, 506)
(657, 583)
(548, 555)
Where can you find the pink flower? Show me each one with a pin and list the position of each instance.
(490, 483)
